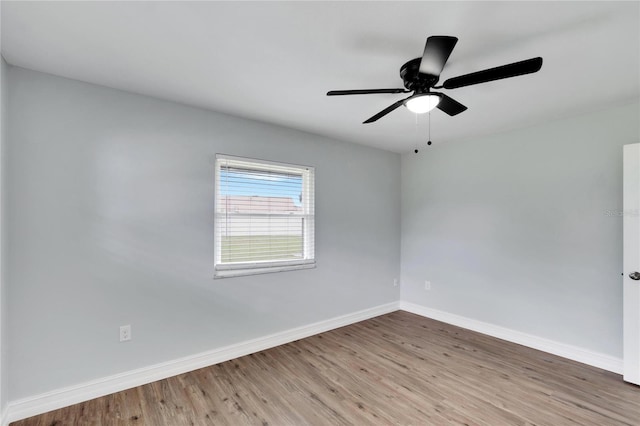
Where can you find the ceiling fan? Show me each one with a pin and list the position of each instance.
(420, 75)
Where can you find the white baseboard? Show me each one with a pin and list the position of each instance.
(70, 395)
(575, 353)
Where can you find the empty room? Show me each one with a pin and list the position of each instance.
(319, 213)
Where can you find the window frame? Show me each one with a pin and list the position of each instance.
(236, 269)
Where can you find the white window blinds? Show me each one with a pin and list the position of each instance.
(264, 216)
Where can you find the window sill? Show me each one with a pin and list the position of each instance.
(256, 270)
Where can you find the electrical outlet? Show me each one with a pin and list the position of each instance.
(427, 285)
(395, 282)
(125, 333)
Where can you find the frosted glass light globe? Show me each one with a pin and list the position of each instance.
(422, 103)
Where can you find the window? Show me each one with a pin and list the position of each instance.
(264, 217)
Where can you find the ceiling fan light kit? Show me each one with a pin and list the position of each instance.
(420, 75)
(423, 103)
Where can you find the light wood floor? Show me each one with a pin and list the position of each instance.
(395, 369)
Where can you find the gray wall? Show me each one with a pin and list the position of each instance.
(111, 222)
(3, 205)
(521, 230)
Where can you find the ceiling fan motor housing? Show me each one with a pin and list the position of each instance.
(414, 80)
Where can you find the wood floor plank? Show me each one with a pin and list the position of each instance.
(396, 369)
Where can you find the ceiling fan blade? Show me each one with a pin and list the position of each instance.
(364, 92)
(386, 111)
(449, 105)
(436, 52)
(505, 71)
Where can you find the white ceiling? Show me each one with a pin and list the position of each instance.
(275, 61)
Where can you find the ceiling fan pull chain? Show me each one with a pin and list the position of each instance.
(416, 134)
(429, 141)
